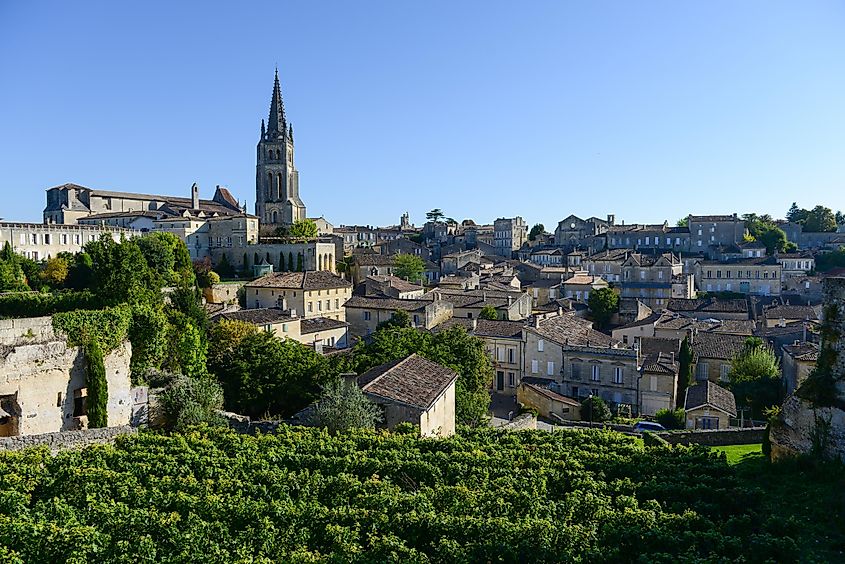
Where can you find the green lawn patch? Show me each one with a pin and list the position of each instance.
(740, 453)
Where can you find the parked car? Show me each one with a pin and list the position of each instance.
(641, 426)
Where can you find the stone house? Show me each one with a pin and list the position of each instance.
(798, 360)
(631, 333)
(509, 305)
(503, 341)
(712, 355)
(580, 286)
(39, 241)
(578, 361)
(509, 234)
(546, 256)
(651, 238)
(574, 231)
(364, 314)
(392, 287)
(780, 315)
(709, 406)
(607, 264)
(756, 276)
(651, 278)
(317, 332)
(414, 390)
(43, 380)
(309, 294)
(659, 382)
(710, 231)
(316, 254)
(452, 263)
(549, 404)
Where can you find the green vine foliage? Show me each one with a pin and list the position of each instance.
(36, 304)
(98, 388)
(109, 326)
(820, 386)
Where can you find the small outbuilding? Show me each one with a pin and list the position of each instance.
(549, 404)
(709, 406)
(414, 390)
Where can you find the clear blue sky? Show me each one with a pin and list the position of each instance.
(648, 110)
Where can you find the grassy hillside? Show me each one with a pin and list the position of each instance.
(301, 495)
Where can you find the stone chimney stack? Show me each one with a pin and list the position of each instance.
(195, 196)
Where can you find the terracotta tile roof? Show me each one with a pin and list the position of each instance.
(502, 329)
(708, 394)
(717, 345)
(583, 280)
(413, 381)
(804, 313)
(391, 304)
(656, 345)
(396, 282)
(547, 393)
(660, 363)
(572, 330)
(732, 327)
(804, 351)
(708, 305)
(309, 280)
(315, 324)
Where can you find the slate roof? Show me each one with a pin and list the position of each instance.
(808, 352)
(717, 345)
(260, 316)
(413, 381)
(733, 327)
(315, 324)
(653, 318)
(309, 280)
(708, 394)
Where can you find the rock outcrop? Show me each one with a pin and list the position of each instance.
(812, 421)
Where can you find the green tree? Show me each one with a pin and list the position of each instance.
(149, 336)
(343, 406)
(119, 272)
(603, 303)
(299, 262)
(436, 215)
(56, 271)
(399, 318)
(97, 386)
(224, 267)
(671, 418)
(290, 261)
(266, 376)
(593, 408)
(224, 337)
(488, 312)
(303, 229)
(685, 358)
(166, 256)
(683, 222)
(755, 377)
(409, 267)
(820, 220)
(538, 229)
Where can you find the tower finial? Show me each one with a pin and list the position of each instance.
(262, 129)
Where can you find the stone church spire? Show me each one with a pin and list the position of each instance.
(277, 122)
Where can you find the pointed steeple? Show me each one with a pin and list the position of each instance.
(290, 132)
(262, 129)
(276, 123)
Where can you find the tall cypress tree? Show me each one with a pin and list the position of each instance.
(684, 371)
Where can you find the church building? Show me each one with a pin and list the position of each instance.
(277, 201)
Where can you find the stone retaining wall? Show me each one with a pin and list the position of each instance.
(715, 437)
(66, 439)
(521, 423)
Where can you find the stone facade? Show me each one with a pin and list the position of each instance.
(509, 234)
(756, 276)
(43, 380)
(39, 241)
(316, 255)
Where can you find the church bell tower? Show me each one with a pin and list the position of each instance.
(277, 201)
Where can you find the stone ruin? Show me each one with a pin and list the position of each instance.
(812, 420)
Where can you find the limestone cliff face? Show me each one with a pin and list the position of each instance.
(813, 419)
(43, 380)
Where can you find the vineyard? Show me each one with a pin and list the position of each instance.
(302, 495)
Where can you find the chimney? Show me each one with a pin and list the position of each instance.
(195, 196)
(536, 322)
(283, 302)
(293, 313)
(349, 378)
(474, 323)
(510, 300)
(611, 219)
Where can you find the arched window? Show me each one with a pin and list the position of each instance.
(274, 220)
(278, 155)
(279, 186)
(320, 262)
(269, 185)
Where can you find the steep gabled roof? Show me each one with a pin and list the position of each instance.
(414, 381)
(708, 394)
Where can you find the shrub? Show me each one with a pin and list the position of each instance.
(671, 418)
(36, 304)
(654, 440)
(108, 326)
(343, 406)
(595, 409)
(190, 401)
